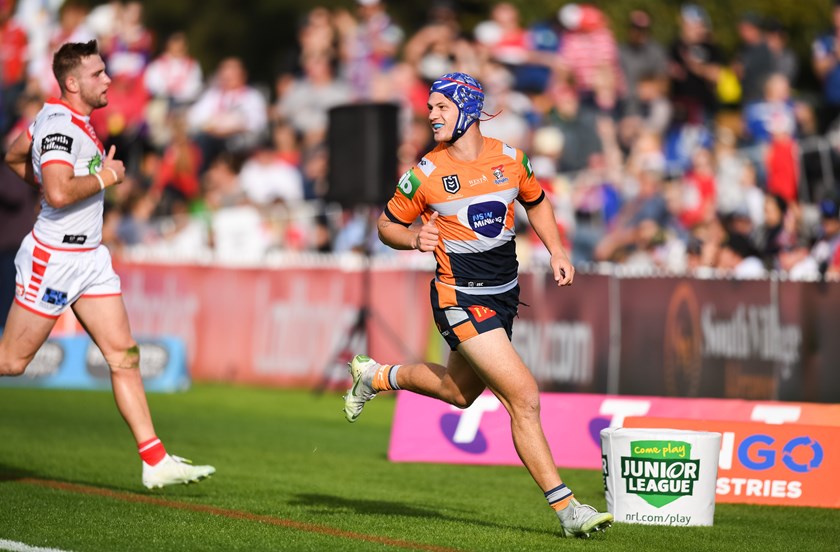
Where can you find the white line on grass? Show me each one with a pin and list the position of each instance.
(13, 546)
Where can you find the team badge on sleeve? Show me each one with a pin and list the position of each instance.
(408, 184)
(56, 142)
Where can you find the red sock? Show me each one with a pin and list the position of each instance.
(151, 451)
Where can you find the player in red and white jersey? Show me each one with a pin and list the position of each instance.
(62, 264)
(463, 191)
(62, 136)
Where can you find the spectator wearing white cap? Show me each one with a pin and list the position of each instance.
(590, 51)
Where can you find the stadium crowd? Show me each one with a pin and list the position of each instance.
(660, 157)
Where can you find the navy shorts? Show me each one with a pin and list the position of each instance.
(461, 316)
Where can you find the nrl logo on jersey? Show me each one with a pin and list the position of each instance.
(451, 184)
(499, 173)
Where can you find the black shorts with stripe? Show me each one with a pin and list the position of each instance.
(474, 314)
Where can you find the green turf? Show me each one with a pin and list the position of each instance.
(290, 456)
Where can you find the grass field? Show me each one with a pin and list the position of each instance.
(293, 475)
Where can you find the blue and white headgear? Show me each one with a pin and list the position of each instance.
(466, 93)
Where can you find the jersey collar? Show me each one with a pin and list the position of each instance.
(57, 101)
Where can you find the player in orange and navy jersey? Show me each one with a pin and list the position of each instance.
(464, 192)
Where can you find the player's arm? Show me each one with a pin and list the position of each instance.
(19, 158)
(63, 188)
(399, 236)
(407, 204)
(541, 217)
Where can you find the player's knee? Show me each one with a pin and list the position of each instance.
(527, 405)
(125, 359)
(464, 398)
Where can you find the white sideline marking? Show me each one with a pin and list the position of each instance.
(13, 546)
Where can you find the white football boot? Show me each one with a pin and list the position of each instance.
(578, 520)
(173, 470)
(362, 369)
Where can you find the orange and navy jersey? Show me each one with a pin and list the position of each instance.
(476, 252)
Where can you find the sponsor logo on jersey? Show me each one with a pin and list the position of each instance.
(75, 239)
(527, 164)
(451, 183)
(477, 181)
(55, 297)
(486, 218)
(408, 184)
(19, 289)
(426, 166)
(499, 173)
(481, 313)
(56, 142)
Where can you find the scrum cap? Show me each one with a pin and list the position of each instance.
(466, 93)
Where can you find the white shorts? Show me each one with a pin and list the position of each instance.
(49, 280)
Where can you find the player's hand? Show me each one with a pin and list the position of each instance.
(427, 238)
(114, 168)
(564, 272)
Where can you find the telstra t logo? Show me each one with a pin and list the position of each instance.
(462, 428)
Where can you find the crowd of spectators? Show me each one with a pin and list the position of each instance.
(667, 157)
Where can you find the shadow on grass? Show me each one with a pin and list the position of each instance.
(131, 487)
(329, 504)
(10, 473)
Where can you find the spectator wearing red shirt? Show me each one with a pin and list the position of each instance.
(699, 195)
(13, 53)
(782, 168)
(590, 52)
(177, 178)
(126, 52)
(503, 36)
